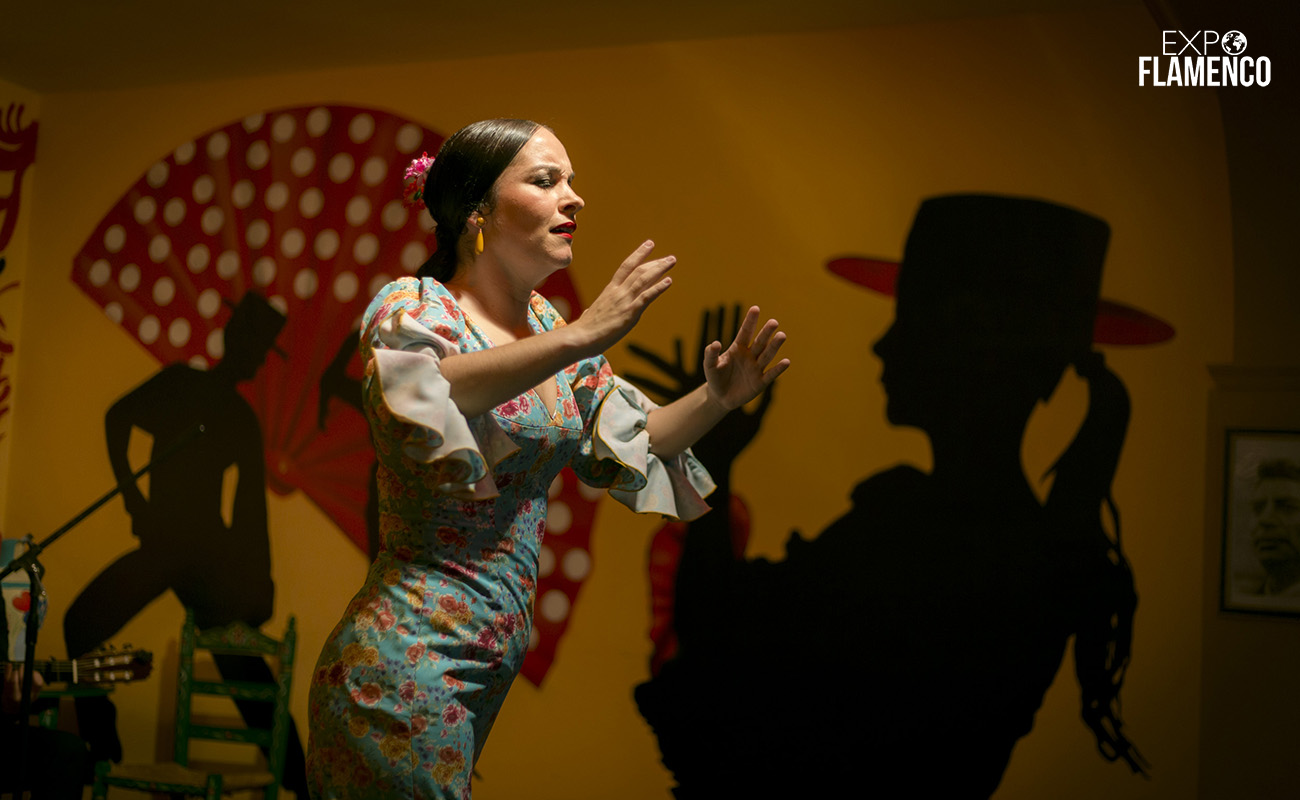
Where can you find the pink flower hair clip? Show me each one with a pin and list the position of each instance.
(413, 194)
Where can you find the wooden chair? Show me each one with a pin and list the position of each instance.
(211, 780)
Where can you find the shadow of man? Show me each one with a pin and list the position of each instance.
(908, 647)
(223, 573)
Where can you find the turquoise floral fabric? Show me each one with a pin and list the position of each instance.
(411, 679)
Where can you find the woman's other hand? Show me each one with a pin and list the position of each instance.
(731, 378)
(741, 372)
(718, 448)
(636, 284)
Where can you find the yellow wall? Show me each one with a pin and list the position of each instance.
(754, 160)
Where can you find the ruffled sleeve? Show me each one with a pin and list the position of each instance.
(615, 449)
(406, 332)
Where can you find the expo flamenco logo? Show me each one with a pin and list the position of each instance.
(1204, 58)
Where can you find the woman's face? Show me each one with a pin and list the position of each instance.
(530, 226)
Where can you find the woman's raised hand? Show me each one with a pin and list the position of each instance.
(741, 372)
(636, 284)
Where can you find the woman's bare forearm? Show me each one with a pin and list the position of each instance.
(484, 379)
(680, 424)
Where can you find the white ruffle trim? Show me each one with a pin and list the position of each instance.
(463, 451)
(647, 484)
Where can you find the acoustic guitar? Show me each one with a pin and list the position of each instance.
(101, 666)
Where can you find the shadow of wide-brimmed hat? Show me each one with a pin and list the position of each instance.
(1035, 260)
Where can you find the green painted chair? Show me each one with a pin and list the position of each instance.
(207, 779)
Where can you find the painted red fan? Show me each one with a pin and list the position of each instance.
(304, 206)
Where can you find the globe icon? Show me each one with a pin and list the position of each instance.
(1234, 43)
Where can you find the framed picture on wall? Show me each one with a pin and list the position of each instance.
(1261, 523)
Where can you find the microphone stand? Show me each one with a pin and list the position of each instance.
(28, 562)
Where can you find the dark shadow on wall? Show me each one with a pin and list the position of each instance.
(908, 646)
(221, 571)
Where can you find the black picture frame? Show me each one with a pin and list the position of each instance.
(1257, 551)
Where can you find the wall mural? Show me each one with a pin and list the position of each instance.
(270, 234)
(6, 353)
(17, 153)
(912, 641)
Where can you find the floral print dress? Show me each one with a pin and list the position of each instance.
(410, 681)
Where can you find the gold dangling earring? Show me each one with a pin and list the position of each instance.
(478, 240)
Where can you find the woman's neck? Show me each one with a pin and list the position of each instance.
(488, 294)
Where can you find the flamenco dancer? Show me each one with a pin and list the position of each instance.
(478, 394)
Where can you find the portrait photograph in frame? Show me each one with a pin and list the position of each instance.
(1261, 523)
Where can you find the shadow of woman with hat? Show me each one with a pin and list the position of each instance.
(909, 645)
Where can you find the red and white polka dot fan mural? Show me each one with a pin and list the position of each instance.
(303, 206)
